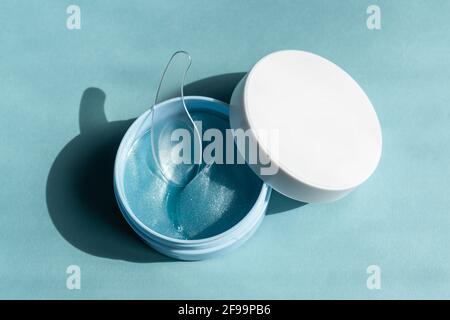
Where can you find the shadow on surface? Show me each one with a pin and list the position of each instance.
(218, 87)
(80, 195)
(79, 192)
(279, 203)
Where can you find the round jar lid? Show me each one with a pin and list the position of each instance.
(312, 121)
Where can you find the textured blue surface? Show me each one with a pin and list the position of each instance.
(57, 204)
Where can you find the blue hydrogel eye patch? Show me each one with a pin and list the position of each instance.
(215, 200)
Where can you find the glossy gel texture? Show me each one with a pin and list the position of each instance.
(215, 200)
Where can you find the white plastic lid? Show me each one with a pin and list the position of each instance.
(329, 136)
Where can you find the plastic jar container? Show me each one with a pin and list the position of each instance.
(185, 249)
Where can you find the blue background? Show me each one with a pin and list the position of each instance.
(56, 205)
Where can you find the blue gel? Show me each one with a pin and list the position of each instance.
(214, 201)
